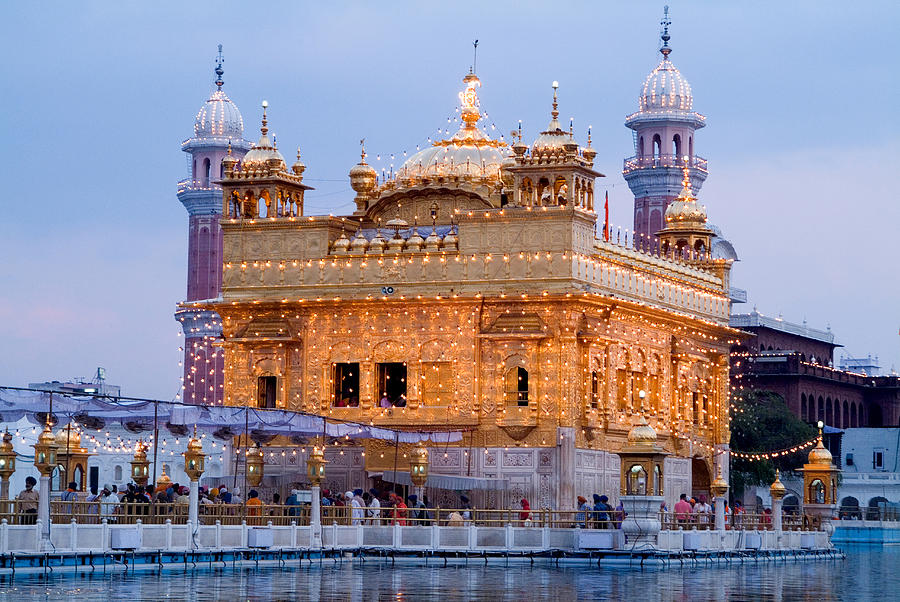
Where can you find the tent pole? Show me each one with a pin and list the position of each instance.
(155, 442)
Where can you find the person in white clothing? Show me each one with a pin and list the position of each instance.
(374, 505)
(357, 514)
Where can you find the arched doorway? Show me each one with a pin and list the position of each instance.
(849, 508)
(700, 479)
(791, 505)
(876, 506)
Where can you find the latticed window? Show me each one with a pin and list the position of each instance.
(516, 386)
(437, 383)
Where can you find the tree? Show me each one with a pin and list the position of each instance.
(761, 422)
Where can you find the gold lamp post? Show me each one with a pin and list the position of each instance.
(255, 466)
(45, 461)
(418, 468)
(643, 459)
(140, 466)
(315, 469)
(778, 491)
(194, 460)
(719, 489)
(7, 464)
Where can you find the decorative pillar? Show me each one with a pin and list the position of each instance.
(565, 474)
(418, 469)
(194, 460)
(315, 469)
(7, 464)
(719, 489)
(642, 482)
(777, 490)
(45, 461)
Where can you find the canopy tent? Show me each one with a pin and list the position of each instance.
(446, 481)
(222, 422)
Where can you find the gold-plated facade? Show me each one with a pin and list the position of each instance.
(505, 317)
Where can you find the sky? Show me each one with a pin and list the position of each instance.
(802, 138)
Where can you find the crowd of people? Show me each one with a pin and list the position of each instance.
(599, 514)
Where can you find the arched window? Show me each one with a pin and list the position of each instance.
(637, 480)
(657, 146)
(516, 386)
(221, 170)
(853, 419)
(676, 147)
(845, 419)
(194, 171)
(829, 413)
(691, 147)
(117, 473)
(640, 150)
(817, 492)
(820, 409)
(206, 172)
(595, 390)
(803, 411)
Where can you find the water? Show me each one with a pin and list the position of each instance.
(866, 574)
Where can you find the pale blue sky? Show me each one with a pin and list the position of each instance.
(802, 139)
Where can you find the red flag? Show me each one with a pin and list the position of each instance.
(606, 218)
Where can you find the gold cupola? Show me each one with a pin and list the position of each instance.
(363, 180)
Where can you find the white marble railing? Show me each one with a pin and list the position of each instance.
(100, 538)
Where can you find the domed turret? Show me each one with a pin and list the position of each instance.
(264, 155)
(666, 89)
(68, 439)
(219, 118)
(553, 137)
(685, 209)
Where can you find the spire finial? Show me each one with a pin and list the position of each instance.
(589, 136)
(474, 57)
(219, 71)
(265, 127)
(665, 37)
(555, 111)
(362, 151)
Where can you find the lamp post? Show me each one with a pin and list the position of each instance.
(777, 490)
(643, 459)
(140, 466)
(315, 469)
(719, 489)
(255, 463)
(194, 460)
(45, 461)
(820, 484)
(7, 464)
(418, 469)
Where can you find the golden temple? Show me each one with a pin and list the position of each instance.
(471, 291)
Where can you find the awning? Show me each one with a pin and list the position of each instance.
(448, 481)
(223, 422)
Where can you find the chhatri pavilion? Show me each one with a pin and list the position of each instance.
(475, 289)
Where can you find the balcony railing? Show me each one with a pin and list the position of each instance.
(651, 161)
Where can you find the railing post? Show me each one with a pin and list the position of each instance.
(140, 527)
(168, 534)
(243, 533)
(218, 534)
(104, 533)
(44, 512)
(4, 536)
(315, 519)
(73, 534)
(293, 533)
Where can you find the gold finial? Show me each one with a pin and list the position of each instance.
(589, 136)
(264, 129)
(555, 111)
(468, 98)
(229, 146)
(362, 151)
(665, 37)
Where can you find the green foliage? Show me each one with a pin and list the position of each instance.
(762, 422)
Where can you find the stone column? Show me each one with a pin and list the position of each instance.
(720, 512)
(565, 473)
(44, 510)
(315, 519)
(4, 488)
(194, 504)
(776, 515)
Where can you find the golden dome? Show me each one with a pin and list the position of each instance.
(163, 479)
(46, 437)
(362, 176)
(7, 445)
(264, 153)
(68, 438)
(468, 153)
(685, 209)
(194, 445)
(642, 433)
(819, 456)
(777, 489)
